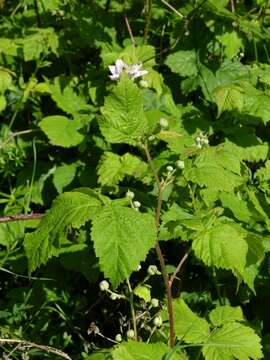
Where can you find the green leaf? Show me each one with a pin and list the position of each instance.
(189, 327)
(133, 350)
(222, 246)
(3, 103)
(183, 62)
(5, 79)
(66, 98)
(70, 209)
(258, 106)
(143, 292)
(233, 341)
(214, 177)
(229, 97)
(62, 131)
(118, 232)
(113, 168)
(64, 175)
(223, 314)
(238, 207)
(231, 42)
(124, 120)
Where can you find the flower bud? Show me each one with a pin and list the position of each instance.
(187, 33)
(153, 270)
(151, 137)
(154, 302)
(180, 164)
(104, 285)
(136, 204)
(118, 338)
(139, 267)
(130, 194)
(114, 296)
(169, 169)
(158, 321)
(163, 123)
(130, 334)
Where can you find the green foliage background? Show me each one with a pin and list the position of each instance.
(72, 144)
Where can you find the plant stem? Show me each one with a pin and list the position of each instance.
(130, 32)
(178, 268)
(148, 20)
(158, 249)
(131, 301)
(4, 219)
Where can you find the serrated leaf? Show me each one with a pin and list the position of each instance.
(118, 232)
(62, 131)
(113, 168)
(229, 97)
(189, 327)
(183, 62)
(133, 350)
(70, 209)
(223, 314)
(214, 177)
(222, 246)
(124, 120)
(64, 175)
(233, 341)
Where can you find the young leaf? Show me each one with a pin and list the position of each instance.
(62, 131)
(233, 341)
(124, 120)
(223, 314)
(70, 209)
(222, 246)
(117, 233)
(189, 327)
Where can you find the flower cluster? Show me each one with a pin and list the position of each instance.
(201, 140)
(133, 71)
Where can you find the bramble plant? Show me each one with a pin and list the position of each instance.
(135, 179)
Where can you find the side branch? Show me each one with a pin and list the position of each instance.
(8, 218)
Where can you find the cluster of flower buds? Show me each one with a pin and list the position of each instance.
(201, 140)
(135, 204)
(133, 71)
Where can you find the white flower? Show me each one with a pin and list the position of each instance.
(130, 194)
(134, 71)
(117, 69)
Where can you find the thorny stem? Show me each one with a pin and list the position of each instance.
(4, 219)
(158, 249)
(178, 268)
(134, 321)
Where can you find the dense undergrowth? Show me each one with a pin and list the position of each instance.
(141, 130)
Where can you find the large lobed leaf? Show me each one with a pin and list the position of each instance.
(70, 209)
(122, 237)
